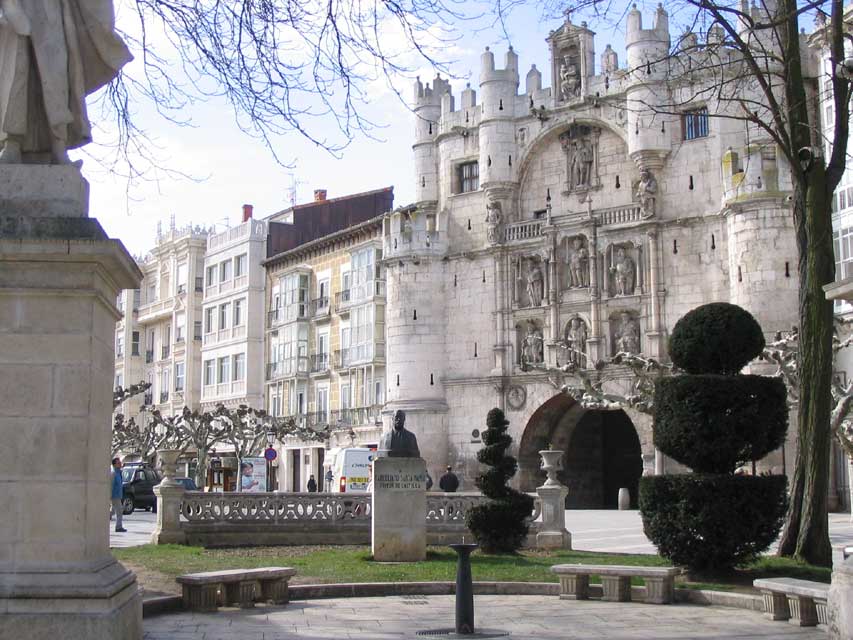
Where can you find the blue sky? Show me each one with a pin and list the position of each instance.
(233, 168)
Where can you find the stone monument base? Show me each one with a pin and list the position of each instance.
(840, 601)
(92, 605)
(399, 510)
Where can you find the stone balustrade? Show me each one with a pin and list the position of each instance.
(522, 230)
(198, 506)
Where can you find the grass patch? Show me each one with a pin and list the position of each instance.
(326, 564)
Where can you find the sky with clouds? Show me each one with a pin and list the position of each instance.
(226, 168)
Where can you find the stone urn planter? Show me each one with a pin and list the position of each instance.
(169, 466)
(552, 462)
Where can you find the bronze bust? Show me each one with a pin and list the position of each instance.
(400, 442)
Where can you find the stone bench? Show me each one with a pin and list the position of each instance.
(202, 591)
(801, 602)
(616, 581)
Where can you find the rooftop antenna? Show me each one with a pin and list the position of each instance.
(293, 189)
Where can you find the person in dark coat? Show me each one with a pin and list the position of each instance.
(448, 483)
(312, 484)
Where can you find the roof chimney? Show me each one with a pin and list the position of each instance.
(247, 212)
(319, 195)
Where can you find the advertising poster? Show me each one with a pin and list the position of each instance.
(253, 475)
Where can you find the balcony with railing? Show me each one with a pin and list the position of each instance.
(223, 390)
(321, 363)
(407, 243)
(288, 368)
(157, 310)
(359, 293)
(360, 354)
(289, 313)
(356, 417)
(320, 307)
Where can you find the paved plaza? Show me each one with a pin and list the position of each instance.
(525, 617)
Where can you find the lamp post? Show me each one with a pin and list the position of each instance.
(269, 459)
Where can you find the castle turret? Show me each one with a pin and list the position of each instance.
(427, 108)
(498, 91)
(649, 131)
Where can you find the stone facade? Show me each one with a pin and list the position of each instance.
(572, 215)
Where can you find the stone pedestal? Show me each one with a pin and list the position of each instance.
(624, 499)
(840, 602)
(552, 532)
(59, 277)
(399, 510)
(169, 495)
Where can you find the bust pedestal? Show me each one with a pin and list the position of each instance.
(59, 277)
(399, 510)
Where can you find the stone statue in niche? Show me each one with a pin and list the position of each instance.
(647, 190)
(579, 144)
(535, 285)
(570, 79)
(493, 222)
(54, 54)
(626, 335)
(623, 269)
(576, 336)
(578, 260)
(533, 347)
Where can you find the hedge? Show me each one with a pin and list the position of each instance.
(714, 423)
(722, 521)
(715, 338)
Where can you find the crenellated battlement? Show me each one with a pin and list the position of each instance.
(658, 34)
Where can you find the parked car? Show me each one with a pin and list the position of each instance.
(139, 482)
(189, 483)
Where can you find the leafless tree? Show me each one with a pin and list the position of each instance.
(121, 394)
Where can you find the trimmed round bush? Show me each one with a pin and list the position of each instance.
(714, 423)
(711, 524)
(715, 338)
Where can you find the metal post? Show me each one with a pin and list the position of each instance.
(464, 589)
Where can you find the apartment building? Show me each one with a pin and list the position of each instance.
(233, 315)
(325, 334)
(129, 355)
(169, 319)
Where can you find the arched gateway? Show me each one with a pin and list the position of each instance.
(602, 452)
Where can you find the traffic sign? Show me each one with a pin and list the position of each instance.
(270, 454)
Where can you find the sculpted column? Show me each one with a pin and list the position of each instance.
(59, 277)
(594, 340)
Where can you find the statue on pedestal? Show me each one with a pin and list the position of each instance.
(627, 334)
(400, 442)
(535, 286)
(493, 222)
(576, 336)
(647, 193)
(578, 264)
(53, 53)
(623, 271)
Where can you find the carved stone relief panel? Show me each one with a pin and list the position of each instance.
(531, 341)
(580, 145)
(623, 269)
(577, 262)
(625, 332)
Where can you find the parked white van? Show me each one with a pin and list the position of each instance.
(351, 467)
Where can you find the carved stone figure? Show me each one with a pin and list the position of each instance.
(533, 348)
(578, 261)
(584, 163)
(535, 286)
(579, 144)
(623, 270)
(576, 336)
(400, 442)
(406, 226)
(570, 81)
(647, 193)
(53, 53)
(627, 334)
(493, 222)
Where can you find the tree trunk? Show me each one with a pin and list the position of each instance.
(201, 469)
(806, 533)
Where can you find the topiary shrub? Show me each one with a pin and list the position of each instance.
(714, 420)
(499, 525)
(715, 338)
(715, 424)
(720, 520)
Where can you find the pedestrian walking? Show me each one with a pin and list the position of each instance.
(429, 481)
(448, 483)
(312, 484)
(117, 493)
(329, 478)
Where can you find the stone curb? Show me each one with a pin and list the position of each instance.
(167, 604)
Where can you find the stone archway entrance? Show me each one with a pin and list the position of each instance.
(602, 452)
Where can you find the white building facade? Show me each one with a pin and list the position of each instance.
(578, 215)
(232, 370)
